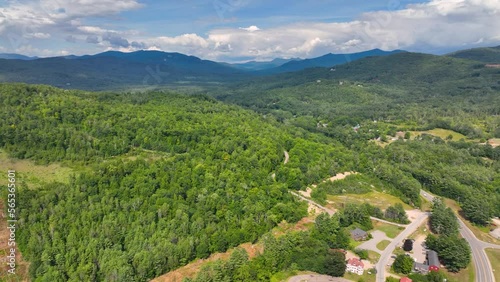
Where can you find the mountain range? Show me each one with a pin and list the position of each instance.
(117, 70)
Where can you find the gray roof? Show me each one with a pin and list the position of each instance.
(432, 258)
(358, 232)
(420, 266)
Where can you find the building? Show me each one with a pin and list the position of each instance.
(354, 265)
(421, 268)
(433, 261)
(359, 234)
(405, 279)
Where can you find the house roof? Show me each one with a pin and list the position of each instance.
(432, 258)
(418, 265)
(405, 279)
(358, 232)
(355, 262)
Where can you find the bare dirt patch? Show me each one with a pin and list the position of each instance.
(190, 270)
(306, 193)
(494, 142)
(413, 214)
(496, 232)
(22, 266)
(341, 176)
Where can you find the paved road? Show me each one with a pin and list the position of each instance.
(287, 157)
(484, 272)
(384, 257)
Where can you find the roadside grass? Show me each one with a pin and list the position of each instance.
(390, 230)
(494, 256)
(481, 232)
(383, 244)
(373, 256)
(421, 230)
(376, 198)
(365, 277)
(426, 205)
(33, 174)
(465, 275)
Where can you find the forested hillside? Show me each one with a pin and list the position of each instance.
(132, 218)
(373, 98)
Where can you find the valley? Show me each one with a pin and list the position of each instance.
(248, 175)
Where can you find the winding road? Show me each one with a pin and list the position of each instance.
(386, 254)
(482, 265)
(484, 272)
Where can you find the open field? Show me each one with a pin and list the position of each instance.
(441, 133)
(383, 244)
(390, 230)
(378, 199)
(32, 174)
(494, 256)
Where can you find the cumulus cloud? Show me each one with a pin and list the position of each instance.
(438, 23)
(44, 19)
(93, 39)
(250, 28)
(115, 40)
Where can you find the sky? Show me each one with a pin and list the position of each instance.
(243, 30)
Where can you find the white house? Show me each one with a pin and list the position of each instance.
(354, 265)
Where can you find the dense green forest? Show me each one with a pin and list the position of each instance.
(131, 219)
(378, 96)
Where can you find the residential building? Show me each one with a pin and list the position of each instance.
(405, 279)
(433, 261)
(359, 234)
(354, 265)
(421, 268)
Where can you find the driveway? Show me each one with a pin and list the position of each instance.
(372, 243)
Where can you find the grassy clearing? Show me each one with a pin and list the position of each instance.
(383, 244)
(32, 174)
(465, 275)
(482, 233)
(305, 223)
(441, 133)
(390, 230)
(378, 199)
(365, 277)
(494, 256)
(373, 257)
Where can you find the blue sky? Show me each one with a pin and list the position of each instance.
(238, 30)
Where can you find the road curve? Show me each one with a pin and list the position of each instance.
(327, 210)
(386, 254)
(484, 272)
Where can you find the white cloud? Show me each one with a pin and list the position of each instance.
(250, 28)
(435, 24)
